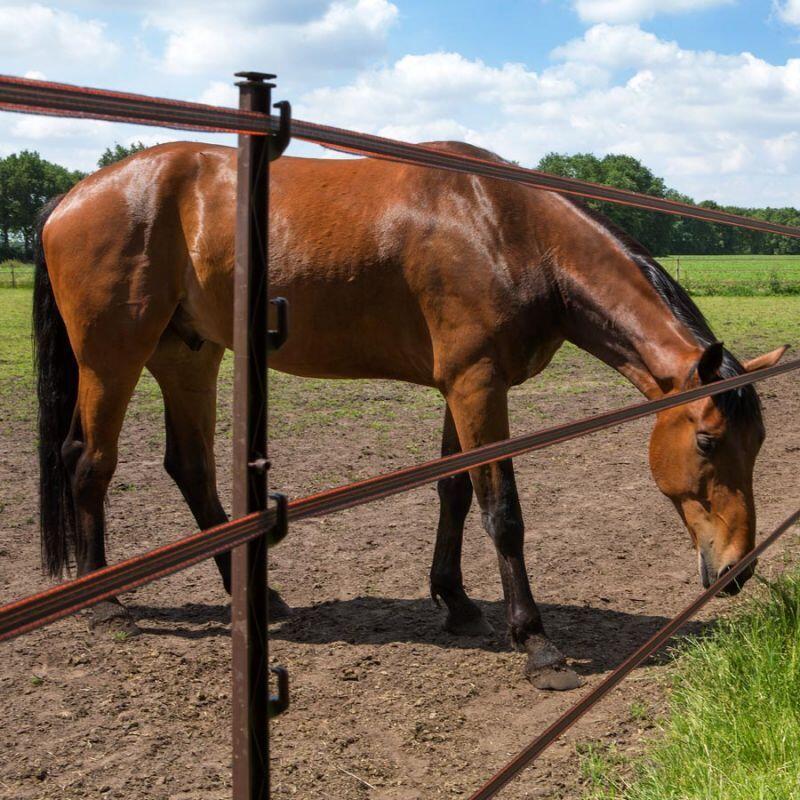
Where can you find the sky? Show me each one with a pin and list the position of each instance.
(705, 92)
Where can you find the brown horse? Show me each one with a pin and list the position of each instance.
(466, 284)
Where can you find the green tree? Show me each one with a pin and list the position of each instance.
(116, 153)
(622, 172)
(28, 181)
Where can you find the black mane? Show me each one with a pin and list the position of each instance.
(739, 404)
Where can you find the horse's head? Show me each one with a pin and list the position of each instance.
(702, 456)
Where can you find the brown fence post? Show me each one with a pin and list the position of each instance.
(249, 593)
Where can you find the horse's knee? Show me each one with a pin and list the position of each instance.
(505, 528)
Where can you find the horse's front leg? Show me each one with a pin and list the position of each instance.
(478, 401)
(464, 617)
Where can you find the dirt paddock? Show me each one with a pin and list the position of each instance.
(384, 703)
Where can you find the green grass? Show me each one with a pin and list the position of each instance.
(15, 274)
(732, 731)
(736, 275)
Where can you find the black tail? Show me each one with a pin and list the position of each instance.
(57, 388)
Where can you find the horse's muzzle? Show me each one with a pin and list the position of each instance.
(732, 588)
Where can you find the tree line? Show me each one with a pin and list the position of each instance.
(664, 234)
(27, 181)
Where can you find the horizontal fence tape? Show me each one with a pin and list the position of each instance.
(655, 643)
(44, 97)
(67, 598)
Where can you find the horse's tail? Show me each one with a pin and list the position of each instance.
(57, 389)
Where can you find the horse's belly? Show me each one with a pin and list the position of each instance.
(336, 334)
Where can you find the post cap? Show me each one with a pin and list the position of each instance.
(254, 77)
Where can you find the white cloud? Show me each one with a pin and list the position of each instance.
(637, 10)
(319, 36)
(716, 126)
(788, 11)
(220, 93)
(35, 34)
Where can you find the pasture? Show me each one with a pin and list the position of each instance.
(735, 275)
(385, 704)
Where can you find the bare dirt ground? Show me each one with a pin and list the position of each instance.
(384, 703)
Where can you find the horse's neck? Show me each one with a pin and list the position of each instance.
(617, 315)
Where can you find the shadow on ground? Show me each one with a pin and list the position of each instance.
(596, 638)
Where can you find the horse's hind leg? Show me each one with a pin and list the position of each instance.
(188, 381)
(90, 456)
(455, 497)
(479, 405)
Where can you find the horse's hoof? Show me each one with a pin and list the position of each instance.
(278, 608)
(113, 618)
(547, 667)
(556, 679)
(468, 626)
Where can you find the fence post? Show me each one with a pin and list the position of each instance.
(13, 276)
(249, 562)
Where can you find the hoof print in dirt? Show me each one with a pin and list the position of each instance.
(471, 626)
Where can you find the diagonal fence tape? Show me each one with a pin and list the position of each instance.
(67, 598)
(45, 97)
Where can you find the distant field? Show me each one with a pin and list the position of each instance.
(735, 275)
(700, 275)
(15, 274)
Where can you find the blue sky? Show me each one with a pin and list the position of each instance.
(706, 92)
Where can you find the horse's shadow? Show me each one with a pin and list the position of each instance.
(596, 638)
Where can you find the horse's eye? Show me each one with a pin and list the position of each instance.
(706, 443)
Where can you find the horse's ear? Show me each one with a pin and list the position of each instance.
(709, 363)
(767, 360)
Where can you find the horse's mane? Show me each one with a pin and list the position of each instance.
(741, 404)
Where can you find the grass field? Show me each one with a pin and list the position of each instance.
(700, 275)
(735, 275)
(733, 728)
(15, 274)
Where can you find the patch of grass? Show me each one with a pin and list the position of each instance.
(639, 712)
(599, 765)
(15, 274)
(736, 275)
(17, 384)
(733, 727)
